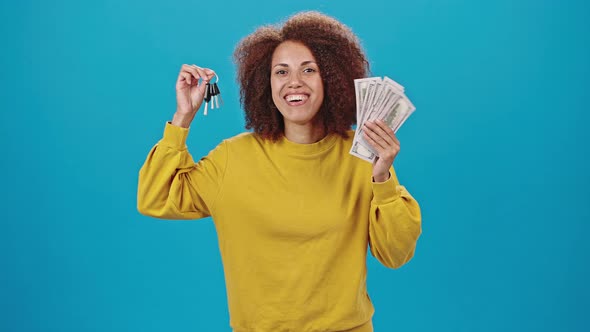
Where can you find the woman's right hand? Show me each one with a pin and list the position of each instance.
(190, 92)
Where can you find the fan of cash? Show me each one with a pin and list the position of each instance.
(378, 99)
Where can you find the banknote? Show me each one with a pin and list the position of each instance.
(359, 91)
(361, 87)
(392, 113)
(408, 109)
(373, 112)
(358, 150)
(378, 99)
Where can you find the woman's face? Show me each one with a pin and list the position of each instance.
(296, 84)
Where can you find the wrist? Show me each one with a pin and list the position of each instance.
(381, 177)
(182, 120)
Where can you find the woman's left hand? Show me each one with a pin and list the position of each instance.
(383, 140)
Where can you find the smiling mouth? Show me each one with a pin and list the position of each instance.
(296, 99)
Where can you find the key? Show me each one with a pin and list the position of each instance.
(217, 94)
(207, 96)
(213, 96)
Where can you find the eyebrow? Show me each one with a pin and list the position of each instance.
(302, 64)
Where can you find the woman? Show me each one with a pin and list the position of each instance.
(294, 211)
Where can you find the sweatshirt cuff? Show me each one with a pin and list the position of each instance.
(174, 136)
(385, 192)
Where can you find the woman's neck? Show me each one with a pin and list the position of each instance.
(304, 134)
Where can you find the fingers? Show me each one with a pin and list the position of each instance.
(208, 73)
(380, 133)
(382, 138)
(388, 131)
(185, 77)
(192, 73)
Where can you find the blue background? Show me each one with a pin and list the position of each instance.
(496, 153)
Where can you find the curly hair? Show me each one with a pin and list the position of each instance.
(338, 54)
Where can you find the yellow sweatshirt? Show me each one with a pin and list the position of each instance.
(293, 223)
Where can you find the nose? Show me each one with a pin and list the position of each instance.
(295, 80)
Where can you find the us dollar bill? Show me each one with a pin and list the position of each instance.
(358, 150)
(385, 111)
(407, 108)
(390, 114)
(361, 87)
(378, 99)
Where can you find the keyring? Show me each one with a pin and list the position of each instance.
(212, 94)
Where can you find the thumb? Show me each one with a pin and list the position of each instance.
(198, 94)
(203, 87)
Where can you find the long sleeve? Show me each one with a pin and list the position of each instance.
(172, 185)
(394, 223)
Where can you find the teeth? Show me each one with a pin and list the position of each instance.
(296, 97)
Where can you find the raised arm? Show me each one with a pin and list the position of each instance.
(395, 221)
(171, 185)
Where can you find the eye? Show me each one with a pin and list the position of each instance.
(309, 70)
(281, 72)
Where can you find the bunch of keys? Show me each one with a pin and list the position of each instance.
(212, 95)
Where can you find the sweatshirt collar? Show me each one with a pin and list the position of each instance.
(318, 147)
